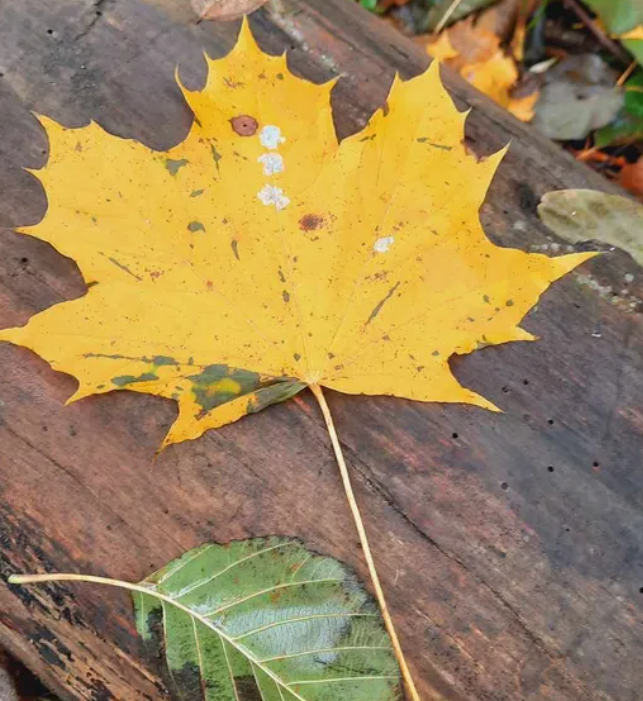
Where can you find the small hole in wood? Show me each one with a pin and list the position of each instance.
(505, 390)
(641, 590)
(454, 435)
(50, 31)
(504, 486)
(525, 382)
(550, 422)
(595, 463)
(550, 469)
(99, 13)
(24, 261)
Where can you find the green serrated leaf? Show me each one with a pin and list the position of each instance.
(446, 12)
(618, 15)
(623, 130)
(634, 96)
(266, 619)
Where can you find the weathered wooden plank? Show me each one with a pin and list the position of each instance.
(510, 580)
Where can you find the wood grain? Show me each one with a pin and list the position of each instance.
(510, 545)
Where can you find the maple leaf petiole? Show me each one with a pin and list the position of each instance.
(363, 538)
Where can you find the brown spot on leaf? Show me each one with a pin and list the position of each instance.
(310, 222)
(244, 125)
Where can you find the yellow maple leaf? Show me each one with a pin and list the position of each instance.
(259, 256)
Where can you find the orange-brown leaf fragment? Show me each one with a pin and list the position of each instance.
(259, 255)
(225, 10)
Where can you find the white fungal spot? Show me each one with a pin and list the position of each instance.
(270, 195)
(629, 278)
(382, 245)
(271, 137)
(273, 163)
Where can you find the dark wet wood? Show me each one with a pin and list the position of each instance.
(510, 544)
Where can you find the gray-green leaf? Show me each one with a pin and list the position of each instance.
(583, 215)
(266, 619)
(446, 12)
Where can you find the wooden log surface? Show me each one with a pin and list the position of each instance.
(510, 544)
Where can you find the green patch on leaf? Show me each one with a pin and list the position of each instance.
(218, 384)
(174, 166)
(195, 226)
(125, 380)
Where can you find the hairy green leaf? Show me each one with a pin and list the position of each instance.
(266, 619)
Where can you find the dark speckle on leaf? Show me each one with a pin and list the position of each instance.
(310, 222)
(442, 147)
(286, 296)
(216, 155)
(510, 302)
(235, 248)
(195, 226)
(244, 125)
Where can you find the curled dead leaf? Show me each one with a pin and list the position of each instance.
(225, 10)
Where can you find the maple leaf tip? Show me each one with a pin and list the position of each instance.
(245, 39)
(177, 75)
(570, 261)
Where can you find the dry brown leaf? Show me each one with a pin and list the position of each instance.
(631, 178)
(473, 48)
(473, 42)
(225, 10)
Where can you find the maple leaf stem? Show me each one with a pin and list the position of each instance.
(363, 538)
